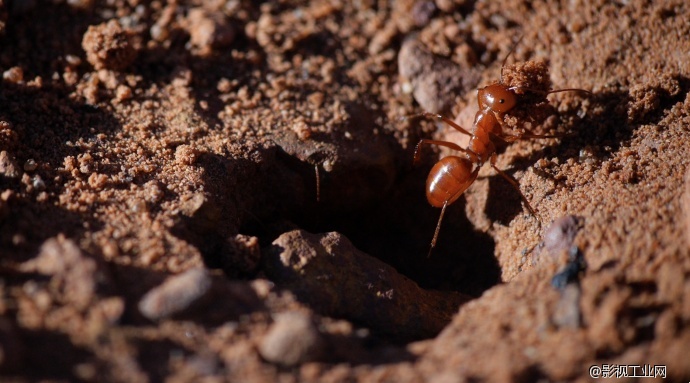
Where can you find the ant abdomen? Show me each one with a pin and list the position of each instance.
(448, 179)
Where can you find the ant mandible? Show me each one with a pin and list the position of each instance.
(452, 175)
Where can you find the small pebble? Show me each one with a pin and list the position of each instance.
(560, 234)
(8, 166)
(73, 60)
(570, 273)
(13, 75)
(38, 184)
(422, 12)
(292, 340)
(209, 31)
(30, 165)
(176, 294)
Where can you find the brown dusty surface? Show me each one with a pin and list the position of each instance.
(158, 188)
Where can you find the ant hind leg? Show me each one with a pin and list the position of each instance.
(527, 135)
(515, 185)
(447, 144)
(438, 228)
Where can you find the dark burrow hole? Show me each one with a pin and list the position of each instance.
(396, 227)
(389, 220)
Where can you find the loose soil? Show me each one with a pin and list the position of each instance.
(225, 191)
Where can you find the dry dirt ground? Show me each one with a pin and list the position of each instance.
(225, 191)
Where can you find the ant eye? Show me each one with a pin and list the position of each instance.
(501, 101)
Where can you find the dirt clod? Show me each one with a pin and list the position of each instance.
(71, 270)
(109, 46)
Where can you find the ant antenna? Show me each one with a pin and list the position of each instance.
(508, 55)
(545, 93)
(569, 90)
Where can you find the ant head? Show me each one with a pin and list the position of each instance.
(497, 97)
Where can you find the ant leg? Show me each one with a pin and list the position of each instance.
(447, 144)
(526, 136)
(318, 183)
(508, 137)
(515, 185)
(447, 120)
(570, 90)
(438, 227)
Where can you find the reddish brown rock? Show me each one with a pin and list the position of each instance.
(335, 278)
(437, 83)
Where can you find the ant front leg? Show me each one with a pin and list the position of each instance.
(318, 183)
(529, 135)
(526, 136)
(514, 184)
(472, 156)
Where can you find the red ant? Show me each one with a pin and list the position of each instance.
(452, 175)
